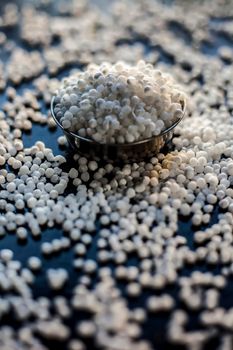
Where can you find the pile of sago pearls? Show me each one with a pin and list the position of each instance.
(118, 103)
(120, 257)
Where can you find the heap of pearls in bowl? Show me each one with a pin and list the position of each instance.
(119, 103)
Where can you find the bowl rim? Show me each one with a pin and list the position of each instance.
(124, 145)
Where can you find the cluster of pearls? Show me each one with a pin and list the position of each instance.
(118, 103)
(24, 65)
